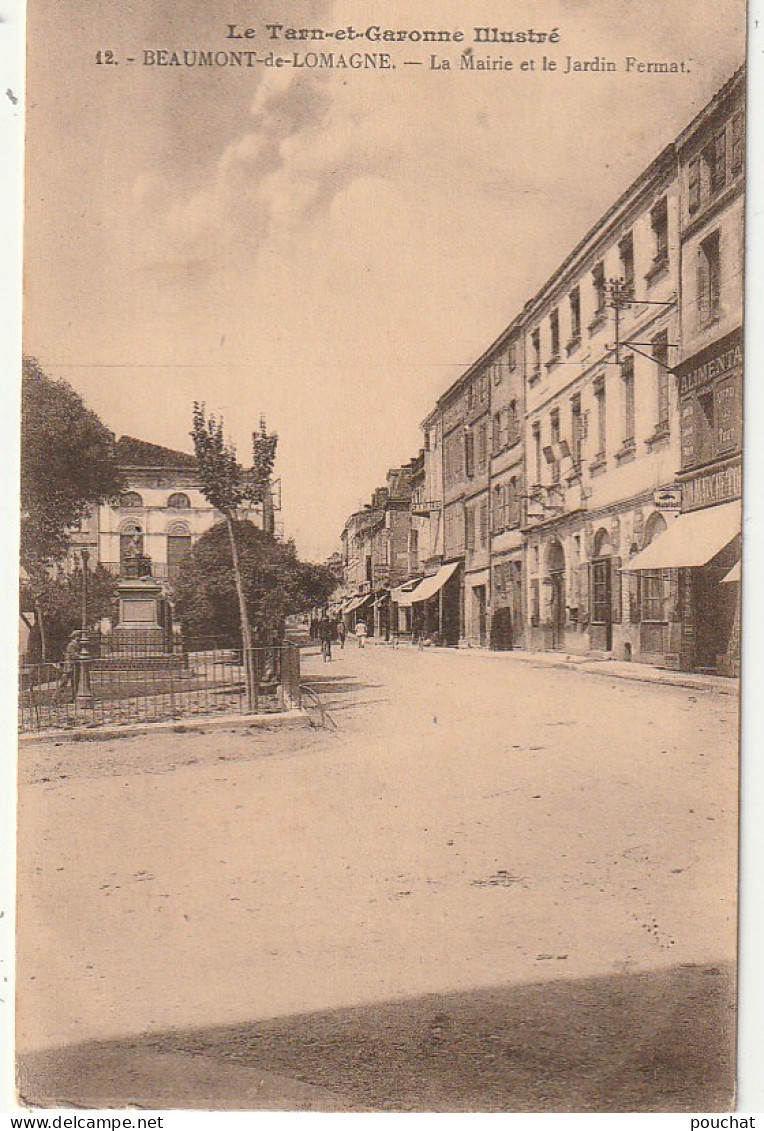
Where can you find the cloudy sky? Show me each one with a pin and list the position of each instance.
(328, 248)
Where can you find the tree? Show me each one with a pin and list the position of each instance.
(229, 486)
(275, 584)
(67, 467)
(59, 599)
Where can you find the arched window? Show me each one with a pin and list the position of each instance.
(602, 548)
(179, 501)
(178, 547)
(130, 499)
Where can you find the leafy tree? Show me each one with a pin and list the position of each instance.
(275, 584)
(59, 598)
(229, 486)
(67, 467)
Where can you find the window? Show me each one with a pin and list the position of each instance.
(536, 355)
(535, 605)
(413, 550)
(554, 332)
(660, 354)
(130, 499)
(469, 453)
(737, 154)
(179, 501)
(537, 452)
(498, 373)
(626, 251)
(653, 596)
(554, 422)
(659, 224)
(513, 502)
(482, 449)
(598, 282)
(693, 185)
(469, 528)
(512, 356)
(599, 396)
(576, 433)
(601, 591)
(484, 522)
(709, 279)
(574, 300)
(717, 159)
(178, 548)
(496, 436)
(498, 509)
(513, 424)
(627, 377)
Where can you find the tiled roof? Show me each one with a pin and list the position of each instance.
(130, 452)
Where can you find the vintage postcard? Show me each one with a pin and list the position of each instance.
(380, 556)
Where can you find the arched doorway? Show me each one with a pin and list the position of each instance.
(653, 592)
(602, 592)
(555, 564)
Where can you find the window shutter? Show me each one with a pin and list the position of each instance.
(585, 581)
(615, 590)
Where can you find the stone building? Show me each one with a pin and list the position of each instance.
(690, 573)
(508, 615)
(161, 513)
(601, 429)
(376, 551)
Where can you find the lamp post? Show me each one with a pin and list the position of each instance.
(84, 692)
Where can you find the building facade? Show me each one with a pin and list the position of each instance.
(160, 514)
(701, 549)
(601, 429)
(580, 482)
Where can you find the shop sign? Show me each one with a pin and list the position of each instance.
(716, 361)
(668, 499)
(713, 487)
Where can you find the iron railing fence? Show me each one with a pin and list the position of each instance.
(118, 689)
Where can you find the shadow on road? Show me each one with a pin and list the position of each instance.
(657, 1041)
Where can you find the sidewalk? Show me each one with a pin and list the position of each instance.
(613, 669)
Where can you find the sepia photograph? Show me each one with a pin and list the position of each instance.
(380, 557)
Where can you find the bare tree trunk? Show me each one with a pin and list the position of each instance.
(246, 631)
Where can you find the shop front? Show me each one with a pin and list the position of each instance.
(687, 579)
(437, 606)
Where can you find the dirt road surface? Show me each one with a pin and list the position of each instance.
(494, 887)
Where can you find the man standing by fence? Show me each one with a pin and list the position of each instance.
(68, 681)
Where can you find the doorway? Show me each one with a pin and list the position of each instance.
(556, 569)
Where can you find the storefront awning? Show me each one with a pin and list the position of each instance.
(734, 574)
(357, 602)
(404, 594)
(691, 539)
(429, 586)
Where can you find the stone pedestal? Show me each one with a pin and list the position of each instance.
(140, 624)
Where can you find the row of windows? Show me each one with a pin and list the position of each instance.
(599, 286)
(131, 499)
(717, 165)
(557, 449)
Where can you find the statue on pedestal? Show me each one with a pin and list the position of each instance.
(136, 564)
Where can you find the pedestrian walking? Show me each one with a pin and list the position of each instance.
(325, 636)
(341, 633)
(361, 632)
